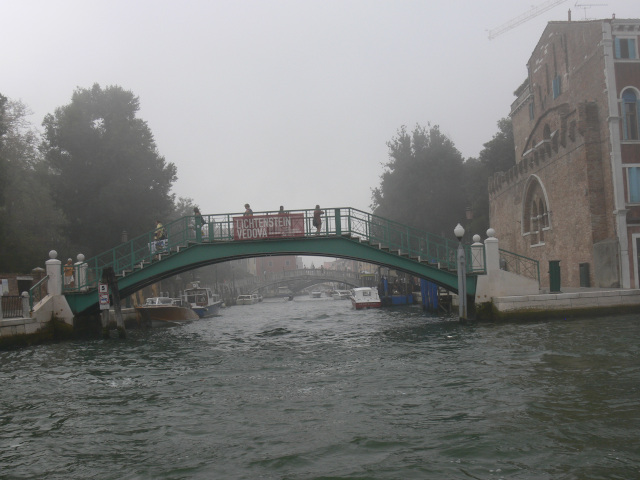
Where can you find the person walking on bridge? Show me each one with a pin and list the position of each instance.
(317, 219)
(160, 233)
(198, 216)
(200, 222)
(247, 210)
(68, 273)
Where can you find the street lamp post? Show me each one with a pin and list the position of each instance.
(462, 275)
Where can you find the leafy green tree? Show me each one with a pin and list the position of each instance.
(183, 208)
(3, 116)
(3, 160)
(107, 173)
(498, 155)
(29, 224)
(421, 185)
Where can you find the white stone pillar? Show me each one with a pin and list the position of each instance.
(80, 273)
(492, 251)
(54, 271)
(477, 258)
(26, 308)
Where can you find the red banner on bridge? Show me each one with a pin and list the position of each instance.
(256, 227)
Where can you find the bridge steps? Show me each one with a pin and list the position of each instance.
(157, 257)
(398, 252)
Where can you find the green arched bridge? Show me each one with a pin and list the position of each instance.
(346, 233)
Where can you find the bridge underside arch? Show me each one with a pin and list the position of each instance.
(203, 254)
(297, 284)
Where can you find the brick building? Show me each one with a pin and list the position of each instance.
(574, 193)
(277, 264)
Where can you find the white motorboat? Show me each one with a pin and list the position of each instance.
(202, 300)
(341, 294)
(365, 297)
(158, 311)
(246, 300)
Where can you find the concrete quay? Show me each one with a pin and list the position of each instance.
(570, 302)
(33, 330)
(10, 327)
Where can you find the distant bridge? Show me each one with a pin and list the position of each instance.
(298, 280)
(346, 233)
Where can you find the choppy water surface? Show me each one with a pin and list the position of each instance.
(314, 389)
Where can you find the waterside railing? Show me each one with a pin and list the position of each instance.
(514, 263)
(38, 291)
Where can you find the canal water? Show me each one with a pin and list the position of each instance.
(312, 389)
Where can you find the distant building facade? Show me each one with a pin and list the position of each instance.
(574, 194)
(277, 264)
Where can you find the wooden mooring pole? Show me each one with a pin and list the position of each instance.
(109, 277)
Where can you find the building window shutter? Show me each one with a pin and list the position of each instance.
(630, 116)
(617, 47)
(625, 132)
(557, 87)
(634, 184)
(632, 49)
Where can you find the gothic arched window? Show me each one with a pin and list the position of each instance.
(630, 108)
(535, 211)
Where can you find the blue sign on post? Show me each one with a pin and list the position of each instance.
(103, 296)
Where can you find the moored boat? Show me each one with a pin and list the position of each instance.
(256, 298)
(284, 292)
(202, 300)
(158, 311)
(341, 294)
(246, 300)
(365, 297)
(316, 294)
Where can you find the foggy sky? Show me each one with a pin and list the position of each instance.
(281, 102)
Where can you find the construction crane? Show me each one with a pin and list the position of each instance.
(584, 6)
(534, 12)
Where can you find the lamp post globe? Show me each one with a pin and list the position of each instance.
(462, 274)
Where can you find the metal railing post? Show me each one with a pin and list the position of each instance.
(198, 230)
(338, 222)
(368, 228)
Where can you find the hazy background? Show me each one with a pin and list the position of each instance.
(279, 101)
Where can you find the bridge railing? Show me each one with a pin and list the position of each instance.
(527, 267)
(133, 254)
(404, 239)
(39, 290)
(187, 230)
(357, 223)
